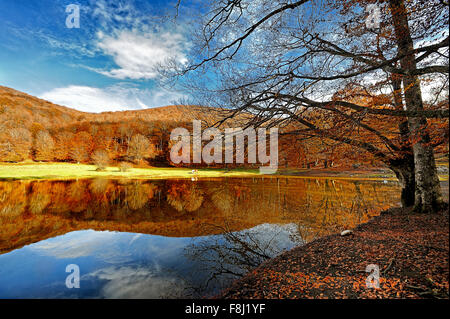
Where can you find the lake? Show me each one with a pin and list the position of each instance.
(166, 238)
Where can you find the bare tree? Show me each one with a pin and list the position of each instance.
(140, 147)
(15, 144)
(43, 146)
(101, 159)
(320, 66)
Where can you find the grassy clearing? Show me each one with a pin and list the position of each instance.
(33, 170)
(27, 171)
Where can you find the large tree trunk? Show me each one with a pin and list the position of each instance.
(428, 192)
(403, 167)
(404, 170)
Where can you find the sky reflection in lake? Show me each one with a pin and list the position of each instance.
(117, 265)
(165, 238)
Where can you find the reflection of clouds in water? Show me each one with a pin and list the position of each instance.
(106, 245)
(136, 282)
(135, 237)
(138, 265)
(280, 237)
(74, 245)
(222, 258)
(235, 203)
(110, 247)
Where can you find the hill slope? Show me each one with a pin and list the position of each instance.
(32, 128)
(18, 109)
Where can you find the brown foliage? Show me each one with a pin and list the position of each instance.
(124, 166)
(43, 146)
(101, 159)
(62, 134)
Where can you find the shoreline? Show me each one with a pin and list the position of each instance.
(411, 251)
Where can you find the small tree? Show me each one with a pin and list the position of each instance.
(101, 159)
(80, 146)
(61, 152)
(15, 144)
(140, 147)
(78, 153)
(43, 146)
(124, 166)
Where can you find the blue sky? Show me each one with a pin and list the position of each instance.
(107, 64)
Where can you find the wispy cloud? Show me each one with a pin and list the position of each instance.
(137, 55)
(137, 282)
(138, 43)
(113, 98)
(74, 244)
(123, 41)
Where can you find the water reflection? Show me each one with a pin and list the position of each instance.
(224, 258)
(165, 238)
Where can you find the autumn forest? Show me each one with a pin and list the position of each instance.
(97, 199)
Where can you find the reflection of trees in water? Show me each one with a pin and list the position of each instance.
(138, 194)
(223, 199)
(323, 206)
(12, 199)
(309, 201)
(184, 196)
(241, 198)
(178, 207)
(39, 198)
(230, 255)
(98, 186)
(329, 206)
(85, 199)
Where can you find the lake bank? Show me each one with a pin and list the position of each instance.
(54, 171)
(411, 251)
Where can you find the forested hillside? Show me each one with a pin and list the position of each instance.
(32, 129)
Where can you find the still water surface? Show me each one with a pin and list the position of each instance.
(166, 238)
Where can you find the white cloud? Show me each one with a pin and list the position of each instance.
(434, 87)
(74, 244)
(137, 283)
(113, 98)
(137, 55)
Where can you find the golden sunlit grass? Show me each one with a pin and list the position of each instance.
(31, 170)
(68, 170)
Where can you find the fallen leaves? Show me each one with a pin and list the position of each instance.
(412, 254)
